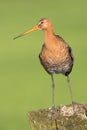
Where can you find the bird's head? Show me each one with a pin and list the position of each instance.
(43, 24)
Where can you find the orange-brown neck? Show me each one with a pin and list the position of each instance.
(49, 36)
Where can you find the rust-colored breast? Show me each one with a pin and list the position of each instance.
(57, 57)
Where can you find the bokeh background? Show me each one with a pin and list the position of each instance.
(24, 85)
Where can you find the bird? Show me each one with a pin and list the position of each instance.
(56, 55)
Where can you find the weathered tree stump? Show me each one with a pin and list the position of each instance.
(70, 117)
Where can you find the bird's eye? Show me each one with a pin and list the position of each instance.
(42, 22)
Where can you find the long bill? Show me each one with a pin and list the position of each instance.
(28, 31)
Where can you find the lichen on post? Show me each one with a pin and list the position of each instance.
(67, 117)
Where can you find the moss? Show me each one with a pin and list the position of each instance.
(60, 118)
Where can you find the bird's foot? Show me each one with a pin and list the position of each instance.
(52, 109)
(52, 112)
(75, 103)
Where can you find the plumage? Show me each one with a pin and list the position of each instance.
(58, 60)
(56, 55)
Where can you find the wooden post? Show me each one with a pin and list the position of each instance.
(69, 117)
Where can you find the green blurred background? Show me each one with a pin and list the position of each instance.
(24, 85)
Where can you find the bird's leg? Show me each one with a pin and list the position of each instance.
(53, 85)
(70, 90)
(72, 99)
